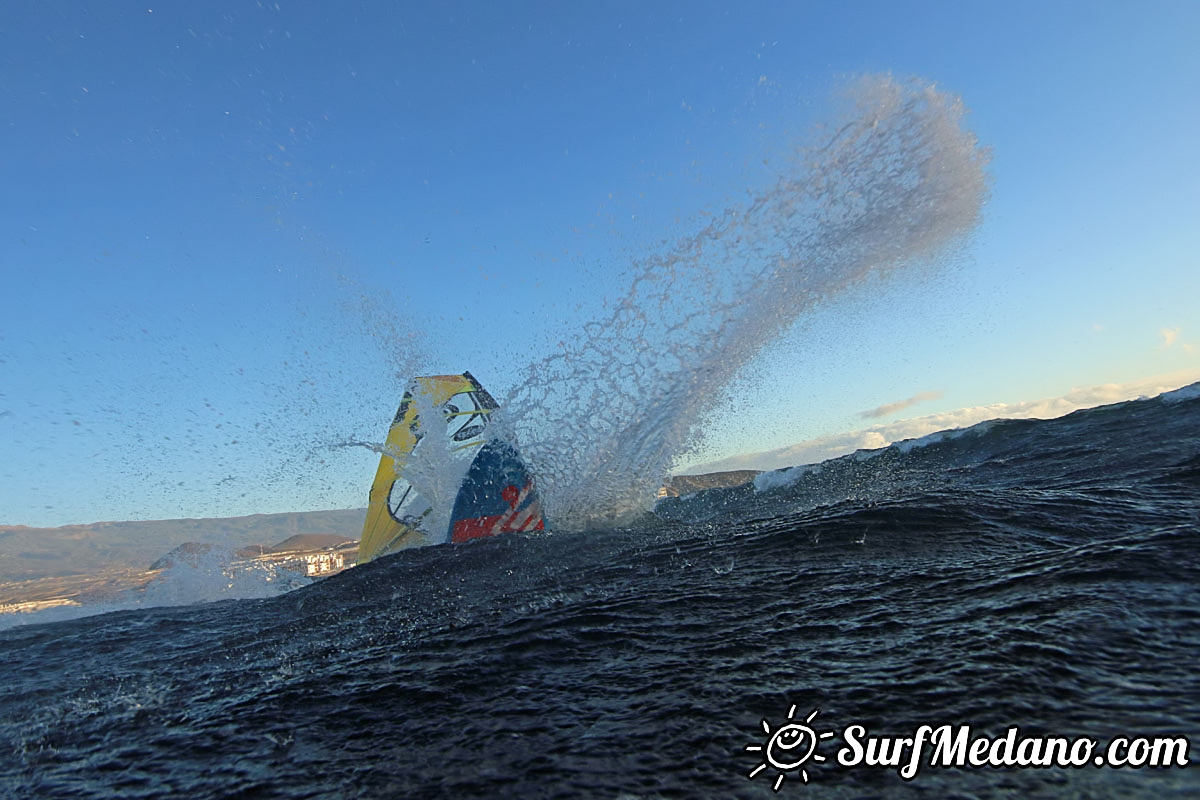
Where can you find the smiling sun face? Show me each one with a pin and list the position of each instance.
(789, 747)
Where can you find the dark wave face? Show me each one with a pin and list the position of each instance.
(1022, 573)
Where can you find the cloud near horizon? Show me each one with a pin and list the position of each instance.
(824, 448)
(891, 408)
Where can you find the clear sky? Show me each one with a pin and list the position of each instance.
(230, 231)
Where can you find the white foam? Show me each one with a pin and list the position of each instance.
(776, 479)
(908, 445)
(199, 578)
(1179, 395)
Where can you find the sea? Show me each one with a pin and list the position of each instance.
(1025, 580)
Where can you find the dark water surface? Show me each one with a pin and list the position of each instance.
(1037, 574)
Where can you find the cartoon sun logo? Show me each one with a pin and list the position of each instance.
(789, 747)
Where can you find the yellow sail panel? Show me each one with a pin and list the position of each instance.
(394, 510)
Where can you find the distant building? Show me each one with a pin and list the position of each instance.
(322, 563)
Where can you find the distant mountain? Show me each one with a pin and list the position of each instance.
(186, 553)
(33, 553)
(193, 552)
(29, 553)
(686, 484)
(311, 541)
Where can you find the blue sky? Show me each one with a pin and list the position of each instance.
(227, 230)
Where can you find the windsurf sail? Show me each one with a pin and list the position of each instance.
(448, 481)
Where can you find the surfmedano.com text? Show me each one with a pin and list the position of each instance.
(953, 746)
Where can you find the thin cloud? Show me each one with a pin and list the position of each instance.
(823, 448)
(900, 405)
(1169, 336)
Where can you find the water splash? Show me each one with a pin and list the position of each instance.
(436, 467)
(900, 181)
(211, 574)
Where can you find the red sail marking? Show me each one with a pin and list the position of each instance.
(511, 521)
